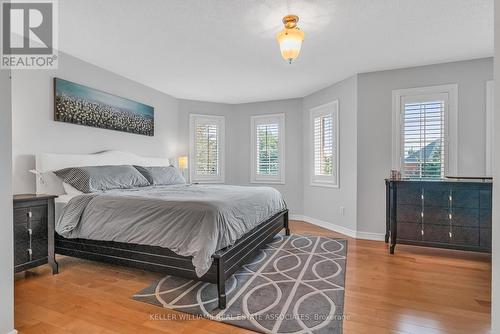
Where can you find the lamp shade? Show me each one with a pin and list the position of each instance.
(182, 162)
(290, 38)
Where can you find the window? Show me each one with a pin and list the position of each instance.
(207, 148)
(325, 138)
(268, 148)
(424, 119)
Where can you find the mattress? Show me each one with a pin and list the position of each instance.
(190, 220)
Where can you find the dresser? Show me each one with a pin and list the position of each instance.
(34, 232)
(442, 213)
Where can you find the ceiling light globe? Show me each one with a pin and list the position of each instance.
(290, 38)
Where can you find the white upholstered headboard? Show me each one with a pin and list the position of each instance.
(48, 183)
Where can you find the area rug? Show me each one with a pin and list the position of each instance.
(294, 285)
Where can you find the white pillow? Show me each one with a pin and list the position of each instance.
(70, 190)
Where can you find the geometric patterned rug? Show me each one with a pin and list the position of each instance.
(294, 285)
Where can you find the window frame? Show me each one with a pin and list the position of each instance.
(220, 121)
(331, 181)
(450, 119)
(268, 119)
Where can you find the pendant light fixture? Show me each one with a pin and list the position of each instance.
(290, 38)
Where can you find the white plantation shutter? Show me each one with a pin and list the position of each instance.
(424, 136)
(207, 151)
(207, 148)
(324, 121)
(268, 148)
(323, 145)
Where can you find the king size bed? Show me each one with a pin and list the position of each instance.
(203, 232)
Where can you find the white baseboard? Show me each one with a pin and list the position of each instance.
(12, 332)
(340, 229)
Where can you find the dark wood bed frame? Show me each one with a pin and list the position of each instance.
(225, 261)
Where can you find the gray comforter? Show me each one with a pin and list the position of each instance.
(191, 220)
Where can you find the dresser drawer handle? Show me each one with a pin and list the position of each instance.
(30, 231)
(30, 214)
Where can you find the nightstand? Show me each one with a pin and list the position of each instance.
(34, 232)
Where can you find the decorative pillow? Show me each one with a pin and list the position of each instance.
(162, 176)
(70, 190)
(99, 178)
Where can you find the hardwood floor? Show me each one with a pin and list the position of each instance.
(416, 290)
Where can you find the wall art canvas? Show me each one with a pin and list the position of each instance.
(78, 104)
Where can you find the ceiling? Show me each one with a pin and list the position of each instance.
(225, 50)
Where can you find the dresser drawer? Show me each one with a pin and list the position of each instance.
(436, 233)
(436, 195)
(409, 193)
(409, 213)
(485, 199)
(436, 215)
(465, 197)
(485, 218)
(485, 238)
(409, 231)
(465, 236)
(465, 217)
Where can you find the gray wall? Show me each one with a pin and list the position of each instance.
(495, 310)
(375, 127)
(238, 141)
(323, 203)
(34, 129)
(6, 233)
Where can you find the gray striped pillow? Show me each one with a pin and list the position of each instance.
(162, 176)
(99, 178)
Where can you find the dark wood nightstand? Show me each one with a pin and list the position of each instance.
(34, 232)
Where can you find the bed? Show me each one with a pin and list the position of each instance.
(227, 256)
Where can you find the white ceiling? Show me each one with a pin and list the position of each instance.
(225, 50)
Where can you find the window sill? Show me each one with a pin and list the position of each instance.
(267, 182)
(324, 185)
(206, 181)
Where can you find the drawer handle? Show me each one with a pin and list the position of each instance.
(422, 231)
(422, 214)
(30, 251)
(449, 216)
(30, 214)
(30, 231)
(451, 235)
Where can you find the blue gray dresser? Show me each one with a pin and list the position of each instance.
(452, 214)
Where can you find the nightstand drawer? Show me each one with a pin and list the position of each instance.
(21, 253)
(39, 249)
(20, 216)
(37, 212)
(38, 228)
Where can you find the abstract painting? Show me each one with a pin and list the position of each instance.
(78, 104)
